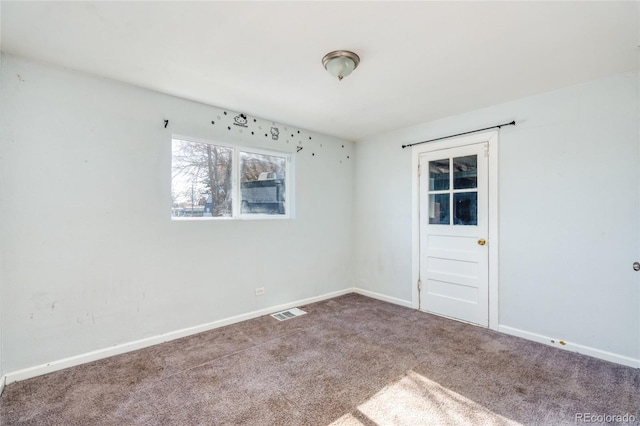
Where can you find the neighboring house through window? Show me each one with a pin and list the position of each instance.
(219, 181)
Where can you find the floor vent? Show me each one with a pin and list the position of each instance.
(288, 314)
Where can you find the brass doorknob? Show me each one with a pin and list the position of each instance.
(482, 241)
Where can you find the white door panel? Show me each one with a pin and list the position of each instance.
(453, 222)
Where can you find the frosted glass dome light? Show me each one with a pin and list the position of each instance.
(340, 63)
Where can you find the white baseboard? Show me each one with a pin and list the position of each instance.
(50, 367)
(385, 298)
(573, 347)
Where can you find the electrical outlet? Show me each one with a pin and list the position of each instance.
(259, 291)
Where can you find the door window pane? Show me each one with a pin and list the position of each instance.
(465, 172)
(439, 175)
(439, 209)
(262, 182)
(465, 208)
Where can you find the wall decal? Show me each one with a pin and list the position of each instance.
(240, 120)
(235, 122)
(166, 123)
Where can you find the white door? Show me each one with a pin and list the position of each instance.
(454, 222)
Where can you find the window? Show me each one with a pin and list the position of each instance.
(215, 181)
(262, 183)
(457, 193)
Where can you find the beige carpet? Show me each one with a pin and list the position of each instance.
(351, 360)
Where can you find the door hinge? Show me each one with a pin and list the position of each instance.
(486, 150)
(419, 170)
(419, 285)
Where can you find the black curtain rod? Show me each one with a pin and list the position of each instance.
(513, 123)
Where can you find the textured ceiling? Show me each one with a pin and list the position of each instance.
(420, 60)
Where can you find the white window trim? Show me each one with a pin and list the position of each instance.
(236, 181)
(236, 213)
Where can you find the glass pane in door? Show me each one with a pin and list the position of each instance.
(439, 175)
(465, 208)
(465, 172)
(439, 209)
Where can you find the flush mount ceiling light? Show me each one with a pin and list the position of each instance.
(340, 63)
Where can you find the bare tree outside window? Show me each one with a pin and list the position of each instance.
(217, 181)
(201, 179)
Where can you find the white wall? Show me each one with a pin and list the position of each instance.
(91, 257)
(1, 220)
(569, 214)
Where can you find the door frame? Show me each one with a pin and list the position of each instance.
(491, 138)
